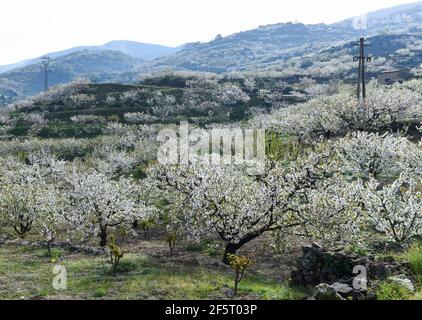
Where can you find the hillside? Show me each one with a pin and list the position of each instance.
(389, 51)
(144, 51)
(318, 50)
(390, 20)
(272, 44)
(98, 66)
(253, 49)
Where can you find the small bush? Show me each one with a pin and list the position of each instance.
(206, 247)
(56, 254)
(359, 249)
(100, 292)
(116, 254)
(239, 264)
(392, 291)
(414, 256)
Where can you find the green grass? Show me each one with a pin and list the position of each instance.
(414, 256)
(206, 247)
(392, 291)
(27, 273)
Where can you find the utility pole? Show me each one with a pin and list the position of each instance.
(361, 89)
(45, 68)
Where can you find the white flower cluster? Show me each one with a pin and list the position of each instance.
(51, 197)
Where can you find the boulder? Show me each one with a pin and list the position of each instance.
(404, 281)
(340, 291)
(324, 291)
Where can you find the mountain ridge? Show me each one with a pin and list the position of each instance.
(140, 50)
(266, 47)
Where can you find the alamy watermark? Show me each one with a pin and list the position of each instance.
(360, 22)
(218, 146)
(60, 280)
(360, 282)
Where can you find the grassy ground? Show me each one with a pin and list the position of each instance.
(148, 271)
(27, 273)
(391, 291)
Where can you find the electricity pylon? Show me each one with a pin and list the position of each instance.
(45, 68)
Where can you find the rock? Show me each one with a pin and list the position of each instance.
(404, 281)
(342, 288)
(324, 291)
(320, 266)
(371, 296)
(348, 292)
(317, 246)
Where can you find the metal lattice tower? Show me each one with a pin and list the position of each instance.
(45, 68)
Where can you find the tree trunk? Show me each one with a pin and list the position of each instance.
(232, 248)
(103, 236)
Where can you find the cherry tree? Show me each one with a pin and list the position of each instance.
(240, 208)
(37, 121)
(81, 100)
(98, 203)
(396, 209)
(140, 117)
(19, 197)
(208, 95)
(338, 114)
(50, 206)
(88, 119)
(372, 154)
(332, 210)
(276, 96)
(111, 161)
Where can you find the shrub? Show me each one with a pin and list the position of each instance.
(392, 291)
(239, 265)
(414, 256)
(100, 292)
(116, 253)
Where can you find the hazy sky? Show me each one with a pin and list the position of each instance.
(29, 28)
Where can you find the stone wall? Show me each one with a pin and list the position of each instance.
(318, 266)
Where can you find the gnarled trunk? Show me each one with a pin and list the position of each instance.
(103, 236)
(232, 248)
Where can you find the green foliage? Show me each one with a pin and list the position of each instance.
(138, 173)
(239, 264)
(116, 253)
(359, 249)
(414, 256)
(113, 118)
(392, 291)
(207, 247)
(283, 148)
(55, 254)
(146, 226)
(100, 292)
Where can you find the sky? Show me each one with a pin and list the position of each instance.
(29, 28)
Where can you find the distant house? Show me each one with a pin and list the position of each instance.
(390, 77)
